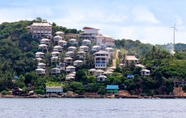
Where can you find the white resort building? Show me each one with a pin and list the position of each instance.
(40, 30)
(101, 59)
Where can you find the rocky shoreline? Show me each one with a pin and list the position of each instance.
(91, 96)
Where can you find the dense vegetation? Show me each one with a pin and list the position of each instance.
(17, 59)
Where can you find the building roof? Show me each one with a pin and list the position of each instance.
(55, 52)
(83, 46)
(67, 58)
(59, 32)
(78, 61)
(40, 69)
(44, 39)
(57, 36)
(88, 28)
(81, 51)
(55, 69)
(54, 87)
(99, 70)
(72, 39)
(145, 70)
(70, 67)
(39, 53)
(39, 64)
(41, 24)
(101, 52)
(112, 87)
(101, 76)
(42, 45)
(57, 46)
(72, 47)
(62, 41)
(86, 40)
(69, 52)
(131, 58)
(96, 46)
(92, 69)
(109, 48)
(140, 65)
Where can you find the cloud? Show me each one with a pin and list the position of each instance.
(142, 14)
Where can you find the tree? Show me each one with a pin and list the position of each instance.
(77, 87)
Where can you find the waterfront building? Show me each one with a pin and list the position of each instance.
(112, 89)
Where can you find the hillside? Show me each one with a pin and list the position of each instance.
(18, 64)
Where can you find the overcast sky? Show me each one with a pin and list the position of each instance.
(146, 20)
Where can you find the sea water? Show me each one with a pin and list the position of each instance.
(91, 108)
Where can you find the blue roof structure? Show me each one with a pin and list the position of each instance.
(112, 87)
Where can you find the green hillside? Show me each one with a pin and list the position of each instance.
(17, 57)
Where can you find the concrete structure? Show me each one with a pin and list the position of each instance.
(101, 59)
(104, 41)
(43, 47)
(101, 78)
(68, 60)
(55, 71)
(92, 71)
(39, 55)
(54, 59)
(78, 63)
(71, 36)
(61, 66)
(112, 89)
(41, 65)
(58, 48)
(62, 43)
(110, 50)
(89, 33)
(40, 30)
(70, 76)
(84, 48)
(96, 48)
(86, 42)
(45, 41)
(70, 69)
(73, 41)
(140, 65)
(56, 54)
(130, 59)
(72, 48)
(69, 54)
(145, 72)
(81, 54)
(57, 38)
(54, 89)
(40, 71)
(60, 33)
(98, 72)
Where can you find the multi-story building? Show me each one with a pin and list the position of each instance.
(40, 30)
(94, 35)
(101, 59)
(104, 41)
(89, 33)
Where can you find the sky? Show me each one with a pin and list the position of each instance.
(149, 21)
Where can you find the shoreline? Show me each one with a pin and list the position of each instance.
(97, 96)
